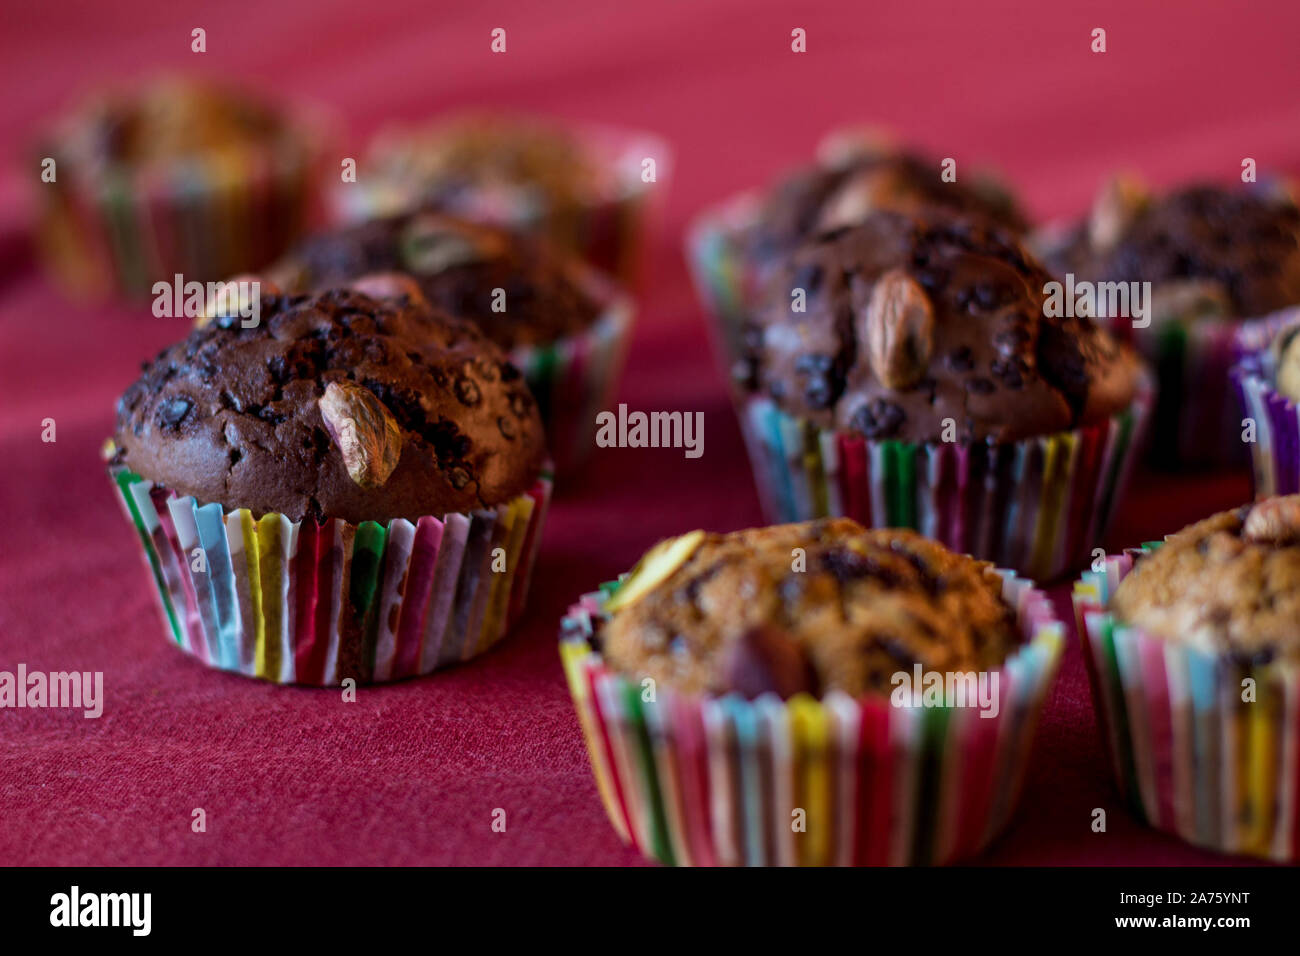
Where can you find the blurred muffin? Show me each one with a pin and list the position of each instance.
(176, 177)
(369, 473)
(1216, 258)
(562, 324)
(904, 372)
(734, 249)
(583, 190)
(1192, 659)
(798, 646)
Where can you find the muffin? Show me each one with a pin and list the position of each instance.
(1266, 381)
(174, 178)
(734, 249)
(757, 697)
(350, 488)
(1216, 258)
(582, 189)
(1192, 653)
(560, 322)
(905, 372)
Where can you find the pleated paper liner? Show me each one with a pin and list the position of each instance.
(206, 218)
(576, 377)
(1039, 505)
(703, 781)
(1191, 757)
(611, 229)
(308, 603)
(1275, 452)
(725, 279)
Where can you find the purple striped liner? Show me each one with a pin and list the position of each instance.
(1275, 453)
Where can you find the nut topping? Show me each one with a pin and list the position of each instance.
(1115, 207)
(1274, 521)
(899, 333)
(366, 433)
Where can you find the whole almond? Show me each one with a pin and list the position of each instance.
(228, 299)
(899, 333)
(1115, 207)
(1274, 521)
(366, 433)
(388, 285)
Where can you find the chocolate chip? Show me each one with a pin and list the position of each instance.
(1010, 371)
(808, 277)
(879, 418)
(767, 660)
(961, 360)
(980, 385)
(467, 392)
(173, 411)
(520, 402)
(458, 477)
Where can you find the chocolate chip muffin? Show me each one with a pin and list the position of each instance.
(914, 321)
(175, 176)
(1228, 585)
(458, 266)
(811, 607)
(1219, 261)
(805, 672)
(582, 189)
(335, 405)
(857, 181)
(1240, 248)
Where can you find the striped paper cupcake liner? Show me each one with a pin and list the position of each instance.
(1039, 505)
(609, 229)
(726, 281)
(701, 781)
(576, 377)
(205, 219)
(1195, 420)
(1275, 451)
(316, 603)
(1191, 757)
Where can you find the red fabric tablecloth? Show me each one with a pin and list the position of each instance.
(412, 773)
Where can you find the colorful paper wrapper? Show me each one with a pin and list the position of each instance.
(1039, 505)
(308, 603)
(576, 377)
(1191, 757)
(727, 281)
(610, 228)
(1275, 451)
(203, 218)
(704, 781)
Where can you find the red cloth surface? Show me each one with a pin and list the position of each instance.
(411, 774)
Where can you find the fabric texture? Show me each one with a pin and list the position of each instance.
(415, 773)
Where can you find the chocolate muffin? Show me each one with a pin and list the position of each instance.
(1219, 261)
(1240, 247)
(858, 181)
(1228, 585)
(458, 266)
(335, 405)
(716, 613)
(912, 320)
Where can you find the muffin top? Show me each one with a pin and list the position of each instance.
(912, 319)
(451, 165)
(857, 181)
(743, 612)
(1227, 585)
(169, 121)
(458, 266)
(1241, 247)
(335, 405)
